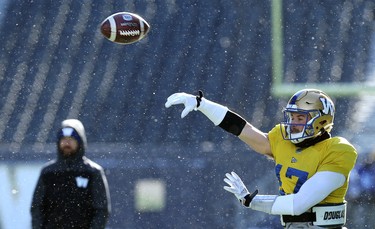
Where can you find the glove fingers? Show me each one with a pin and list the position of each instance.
(231, 178)
(233, 185)
(230, 189)
(186, 111)
(169, 100)
(174, 99)
(230, 183)
(228, 175)
(236, 176)
(238, 179)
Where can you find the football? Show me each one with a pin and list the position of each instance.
(124, 28)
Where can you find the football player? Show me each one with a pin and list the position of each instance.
(312, 166)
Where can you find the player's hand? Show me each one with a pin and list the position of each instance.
(238, 188)
(191, 102)
(236, 185)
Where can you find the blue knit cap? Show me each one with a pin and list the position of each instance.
(69, 132)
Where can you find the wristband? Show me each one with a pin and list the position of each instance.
(233, 123)
(248, 198)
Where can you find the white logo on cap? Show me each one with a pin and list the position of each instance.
(67, 131)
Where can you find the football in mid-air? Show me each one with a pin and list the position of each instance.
(124, 28)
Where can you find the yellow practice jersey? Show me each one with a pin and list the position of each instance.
(295, 165)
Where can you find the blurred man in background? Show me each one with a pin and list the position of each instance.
(72, 191)
(312, 167)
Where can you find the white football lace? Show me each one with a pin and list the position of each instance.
(129, 32)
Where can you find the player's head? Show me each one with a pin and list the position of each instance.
(308, 114)
(69, 142)
(71, 139)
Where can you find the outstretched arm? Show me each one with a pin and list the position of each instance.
(312, 192)
(223, 117)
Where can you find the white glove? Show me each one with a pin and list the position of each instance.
(190, 102)
(214, 111)
(238, 188)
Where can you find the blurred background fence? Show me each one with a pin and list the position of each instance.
(54, 64)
